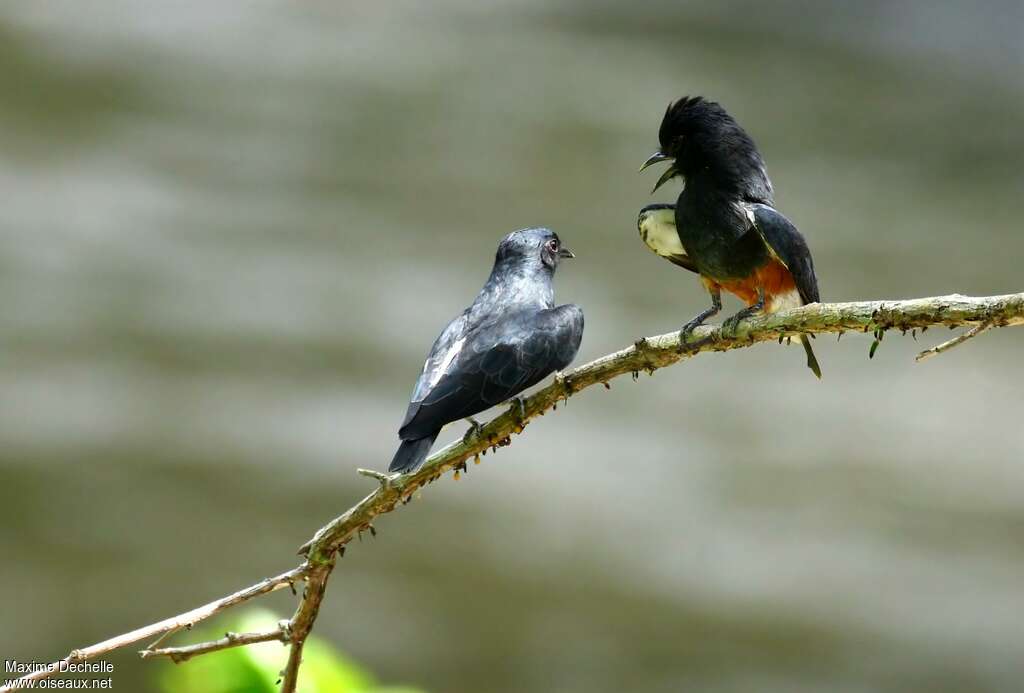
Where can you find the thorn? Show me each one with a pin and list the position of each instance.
(373, 531)
(913, 333)
(476, 458)
(606, 386)
(636, 376)
(456, 474)
(341, 552)
(874, 347)
(839, 336)
(781, 337)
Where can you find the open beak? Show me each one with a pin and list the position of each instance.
(565, 253)
(668, 175)
(670, 172)
(655, 158)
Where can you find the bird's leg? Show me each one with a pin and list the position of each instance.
(731, 322)
(472, 431)
(716, 305)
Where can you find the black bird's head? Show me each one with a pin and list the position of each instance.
(531, 249)
(700, 138)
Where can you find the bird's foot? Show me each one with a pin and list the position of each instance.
(729, 324)
(519, 407)
(686, 330)
(473, 431)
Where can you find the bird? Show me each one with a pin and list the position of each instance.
(724, 225)
(511, 337)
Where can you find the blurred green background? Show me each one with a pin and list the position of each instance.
(230, 232)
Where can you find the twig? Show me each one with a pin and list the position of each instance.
(384, 479)
(959, 339)
(181, 654)
(647, 354)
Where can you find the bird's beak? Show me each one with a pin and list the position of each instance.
(668, 175)
(655, 158)
(670, 172)
(565, 253)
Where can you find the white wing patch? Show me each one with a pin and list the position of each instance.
(453, 351)
(748, 211)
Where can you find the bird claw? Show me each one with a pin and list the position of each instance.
(473, 431)
(686, 330)
(730, 324)
(518, 406)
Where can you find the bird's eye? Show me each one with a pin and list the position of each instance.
(553, 245)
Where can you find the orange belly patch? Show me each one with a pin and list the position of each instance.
(772, 276)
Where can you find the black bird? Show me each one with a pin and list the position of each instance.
(510, 338)
(725, 222)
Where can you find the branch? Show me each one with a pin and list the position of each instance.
(650, 354)
(302, 621)
(165, 627)
(646, 354)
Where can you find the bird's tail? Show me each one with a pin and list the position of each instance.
(791, 299)
(411, 453)
(812, 362)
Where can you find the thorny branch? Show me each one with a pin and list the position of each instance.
(646, 354)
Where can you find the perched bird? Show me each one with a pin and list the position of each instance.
(510, 338)
(724, 225)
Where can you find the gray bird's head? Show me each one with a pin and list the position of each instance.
(537, 248)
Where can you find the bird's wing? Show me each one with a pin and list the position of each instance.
(683, 261)
(446, 347)
(493, 364)
(787, 245)
(657, 226)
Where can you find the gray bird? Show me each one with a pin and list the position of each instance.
(510, 338)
